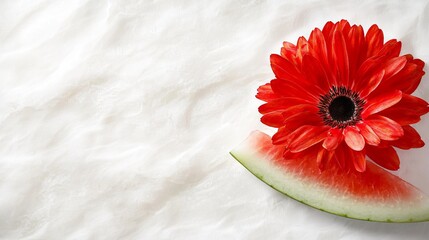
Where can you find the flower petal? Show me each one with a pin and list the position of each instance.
(401, 115)
(379, 103)
(399, 81)
(298, 109)
(390, 49)
(413, 102)
(353, 138)
(283, 69)
(413, 80)
(374, 40)
(355, 49)
(304, 118)
(405, 80)
(349, 159)
(328, 29)
(385, 128)
(273, 119)
(265, 93)
(302, 49)
(341, 156)
(411, 139)
(306, 137)
(295, 88)
(333, 139)
(407, 111)
(288, 51)
(385, 157)
(342, 26)
(323, 157)
(286, 136)
(340, 60)
(369, 134)
(358, 159)
(280, 104)
(393, 66)
(416, 61)
(315, 73)
(319, 49)
(307, 155)
(368, 77)
(281, 137)
(370, 83)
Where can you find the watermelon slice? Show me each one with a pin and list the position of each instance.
(374, 195)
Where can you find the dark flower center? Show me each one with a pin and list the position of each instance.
(340, 107)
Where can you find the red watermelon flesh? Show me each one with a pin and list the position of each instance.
(374, 195)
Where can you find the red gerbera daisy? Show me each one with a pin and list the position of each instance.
(342, 95)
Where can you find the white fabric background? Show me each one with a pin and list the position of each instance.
(116, 117)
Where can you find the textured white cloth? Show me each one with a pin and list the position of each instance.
(116, 117)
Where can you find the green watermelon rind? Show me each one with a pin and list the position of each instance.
(324, 199)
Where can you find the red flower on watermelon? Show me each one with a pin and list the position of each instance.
(342, 95)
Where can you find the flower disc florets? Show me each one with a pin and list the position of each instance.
(340, 107)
